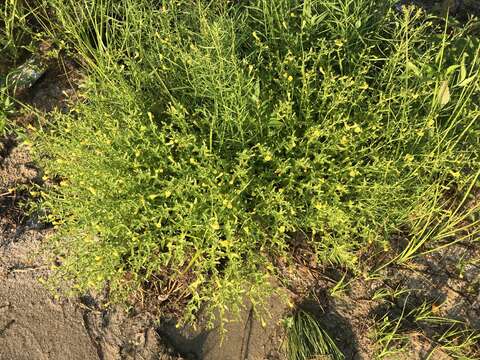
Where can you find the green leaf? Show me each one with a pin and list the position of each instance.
(275, 123)
(463, 70)
(443, 94)
(451, 69)
(467, 81)
(413, 68)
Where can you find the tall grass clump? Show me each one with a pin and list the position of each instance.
(212, 133)
(13, 27)
(308, 340)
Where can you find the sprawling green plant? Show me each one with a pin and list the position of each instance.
(213, 133)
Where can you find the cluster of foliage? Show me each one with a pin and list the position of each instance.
(308, 340)
(8, 20)
(18, 36)
(212, 133)
(13, 28)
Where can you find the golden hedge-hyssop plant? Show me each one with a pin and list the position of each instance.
(210, 134)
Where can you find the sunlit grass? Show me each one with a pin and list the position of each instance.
(306, 339)
(212, 133)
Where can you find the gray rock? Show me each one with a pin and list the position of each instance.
(26, 75)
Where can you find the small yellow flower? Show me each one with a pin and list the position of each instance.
(364, 86)
(318, 206)
(215, 225)
(357, 129)
(354, 172)
(408, 158)
(455, 174)
(341, 188)
(290, 78)
(224, 243)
